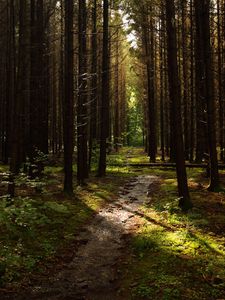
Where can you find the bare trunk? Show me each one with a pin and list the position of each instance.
(175, 96)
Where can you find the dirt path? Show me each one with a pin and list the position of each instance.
(92, 273)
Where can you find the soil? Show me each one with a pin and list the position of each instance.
(93, 272)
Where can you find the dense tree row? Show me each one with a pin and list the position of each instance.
(62, 82)
(71, 83)
(181, 47)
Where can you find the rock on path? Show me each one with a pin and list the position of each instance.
(92, 273)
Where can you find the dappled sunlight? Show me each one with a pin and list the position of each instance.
(112, 150)
(176, 255)
(34, 230)
(122, 171)
(171, 255)
(174, 265)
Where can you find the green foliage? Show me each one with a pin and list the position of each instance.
(142, 291)
(32, 230)
(40, 157)
(20, 223)
(53, 170)
(38, 184)
(174, 257)
(4, 168)
(56, 207)
(135, 122)
(167, 262)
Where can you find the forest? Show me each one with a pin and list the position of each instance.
(112, 149)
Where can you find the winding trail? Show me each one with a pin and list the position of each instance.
(92, 273)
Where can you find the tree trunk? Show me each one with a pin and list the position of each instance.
(82, 156)
(18, 133)
(203, 28)
(68, 129)
(94, 83)
(104, 120)
(175, 96)
(200, 86)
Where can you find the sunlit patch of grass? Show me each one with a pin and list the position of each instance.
(174, 264)
(176, 255)
(4, 168)
(136, 155)
(164, 173)
(195, 172)
(119, 171)
(169, 186)
(53, 170)
(171, 181)
(116, 159)
(138, 159)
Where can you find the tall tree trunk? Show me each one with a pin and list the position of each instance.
(192, 90)
(220, 83)
(185, 66)
(82, 157)
(94, 82)
(10, 81)
(18, 133)
(68, 122)
(200, 85)
(203, 28)
(104, 122)
(148, 42)
(38, 81)
(117, 100)
(152, 96)
(175, 96)
(162, 89)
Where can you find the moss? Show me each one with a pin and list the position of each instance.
(35, 228)
(173, 264)
(4, 168)
(173, 255)
(53, 170)
(178, 255)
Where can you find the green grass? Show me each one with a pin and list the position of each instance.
(34, 229)
(37, 227)
(41, 220)
(176, 255)
(4, 168)
(175, 265)
(53, 170)
(172, 256)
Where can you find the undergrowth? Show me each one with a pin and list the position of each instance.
(41, 221)
(175, 255)
(172, 256)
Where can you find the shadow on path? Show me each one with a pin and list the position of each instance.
(92, 273)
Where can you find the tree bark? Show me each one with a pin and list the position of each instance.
(94, 83)
(68, 122)
(203, 28)
(82, 121)
(104, 120)
(18, 133)
(175, 96)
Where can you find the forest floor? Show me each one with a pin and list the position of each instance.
(122, 237)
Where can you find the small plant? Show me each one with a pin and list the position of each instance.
(38, 184)
(173, 206)
(34, 166)
(142, 291)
